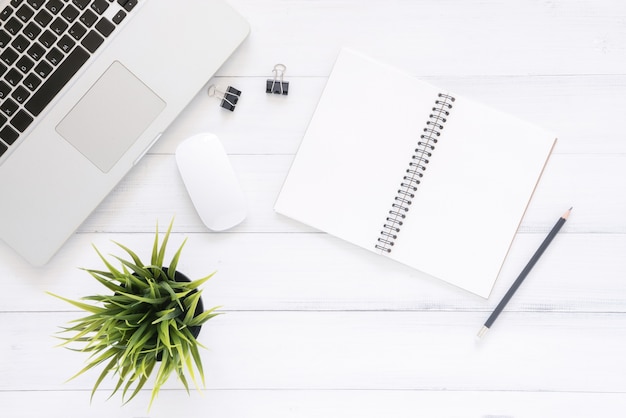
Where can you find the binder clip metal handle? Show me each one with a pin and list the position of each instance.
(229, 98)
(278, 85)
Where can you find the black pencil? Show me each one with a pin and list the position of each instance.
(524, 273)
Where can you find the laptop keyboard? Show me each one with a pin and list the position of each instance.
(43, 44)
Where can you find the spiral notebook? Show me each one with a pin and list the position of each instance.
(404, 169)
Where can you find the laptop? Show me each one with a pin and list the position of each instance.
(86, 87)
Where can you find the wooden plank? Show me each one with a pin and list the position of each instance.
(451, 37)
(590, 183)
(318, 403)
(551, 352)
(585, 112)
(317, 272)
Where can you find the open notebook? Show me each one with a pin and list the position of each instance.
(423, 176)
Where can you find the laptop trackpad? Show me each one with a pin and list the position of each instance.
(110, 117)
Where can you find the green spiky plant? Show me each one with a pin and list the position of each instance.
(150, 320)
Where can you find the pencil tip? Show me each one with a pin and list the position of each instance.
(566, 214)
(482, 331)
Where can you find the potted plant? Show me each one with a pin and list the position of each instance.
(148, 320)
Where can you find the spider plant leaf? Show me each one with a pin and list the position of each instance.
(171, 271)
(103, 274)
(132, 254)
(115, 272)
(183, 379)
(191, 303)
(161, 255)
(140, 384)
(203, 317)
(196, 283)
(103, 374)
(104, 356)
(162, 374)
(139, 270)
(155, 246)
(151, 301)
(173, 295)
(193, 348)
(80, 305)
(166, 315)
(163, 331)
(183, 352)
(104, 280)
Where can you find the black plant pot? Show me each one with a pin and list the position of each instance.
(195, 331)
(180, 277)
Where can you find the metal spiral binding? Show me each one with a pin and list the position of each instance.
(415, 171)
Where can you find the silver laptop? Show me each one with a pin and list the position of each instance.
(86, 87)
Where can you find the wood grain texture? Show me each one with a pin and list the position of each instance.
(323, 273)
(323, 403)
(316, 327)
(357, 350)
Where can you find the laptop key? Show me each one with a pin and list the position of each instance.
(13, 77)
(66, 43)
(81, 4)
(32, 82)
(54, 56)
(24, 64)
(3, 148)
(13, 26)
(47, 39)
(36, 51)
(43, 18)
(92, 41)
(43, 69)
(32, 31)
(9, 56)
(35, 4)
(119, 16)
(70, 13)
(24, 13)
(9, 107)
(4, 89)
(130, 5)
(5, 38)
(105, 27)
(77, 31)
(20, 43)
(8, 135)
(57, 80)
(58, 26)
(89, 18)
(54, 6)
(6, 13)
(20, 95)
(100, 6)
(21, 121)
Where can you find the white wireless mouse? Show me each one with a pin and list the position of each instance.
(211, 181)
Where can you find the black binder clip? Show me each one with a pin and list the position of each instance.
(277, 85)
(229, 98)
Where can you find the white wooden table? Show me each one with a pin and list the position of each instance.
(316, 327)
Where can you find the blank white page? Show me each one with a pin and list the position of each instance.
(355, 150)
(472, 197)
